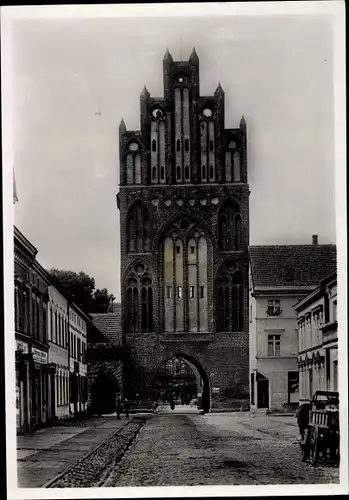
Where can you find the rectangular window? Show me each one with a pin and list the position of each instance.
(274, 342)
(250, 314)
(334, 310)
(44, 325)
(178, 249)
(273, 308)
(202, 292)
(192, 249)
(192, 292)
(168, 292)
(179, 292)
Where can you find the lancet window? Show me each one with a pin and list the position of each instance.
(230, 299)
(229, 227)
(137, 228)
(185, 255)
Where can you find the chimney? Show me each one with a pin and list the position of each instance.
(315, 239)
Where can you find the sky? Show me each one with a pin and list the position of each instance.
(74, 80)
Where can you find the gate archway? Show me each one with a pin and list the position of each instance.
(182, 376)
(103, 394)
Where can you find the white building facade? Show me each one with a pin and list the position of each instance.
(58, 330)
(280, 276)
(78, 321)
(318, 340)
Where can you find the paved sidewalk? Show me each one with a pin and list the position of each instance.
(49, 452)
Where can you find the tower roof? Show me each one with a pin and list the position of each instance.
(242, 122)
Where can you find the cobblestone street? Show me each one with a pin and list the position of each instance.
(213, 449)
(168, 448)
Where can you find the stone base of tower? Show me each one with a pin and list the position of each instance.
(221, 359)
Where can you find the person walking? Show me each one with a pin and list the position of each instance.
(118, 407)
(126, 407)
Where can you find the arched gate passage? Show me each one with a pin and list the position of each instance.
(103, 394)
(185, 383)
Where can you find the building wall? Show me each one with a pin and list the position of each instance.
(277, 367)
(318, 342)
(58, 329)
(77, 360)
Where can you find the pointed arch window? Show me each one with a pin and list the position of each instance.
(230, 300)
(186, 145)
(186, 172)
(185, 278)
(178, 172)
(178, 145)
(139, 301)
(211, 172)
(229, 227)
(154, 173)
(147, 305)
(236, 160)
(162, 172)
(137, 228)
(153, 145)
(132, 306)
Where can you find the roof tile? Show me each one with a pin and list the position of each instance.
(109, 324)
(291, 265)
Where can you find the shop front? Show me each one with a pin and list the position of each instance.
(22, 387)
(40, 395)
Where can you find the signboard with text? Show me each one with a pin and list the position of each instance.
(215, 390)
(39, 356)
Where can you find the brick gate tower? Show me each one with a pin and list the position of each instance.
(184, 218)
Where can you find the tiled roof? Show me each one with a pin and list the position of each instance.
(109, 324)
(291, 266)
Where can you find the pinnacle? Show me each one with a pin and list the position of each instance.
(122, 126)
(219, 89)
(167, 55)
(145, 92)
(193, 56)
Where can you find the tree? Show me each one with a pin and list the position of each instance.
(80, 288)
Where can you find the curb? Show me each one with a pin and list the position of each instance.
(50, 482)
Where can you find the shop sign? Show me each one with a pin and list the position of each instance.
(39, 356)
(22, 347)
(216, 390)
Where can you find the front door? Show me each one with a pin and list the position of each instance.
(263, 393)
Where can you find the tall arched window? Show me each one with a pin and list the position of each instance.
(147, 305)
(237, 166)
(132, 306)
(229, 227)
(139, 300)
(186, 145)
(137, 228)
(153, 145)
(230, 303)
(178, 173)
(185, 278)
(133, 164)
(178, 145)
